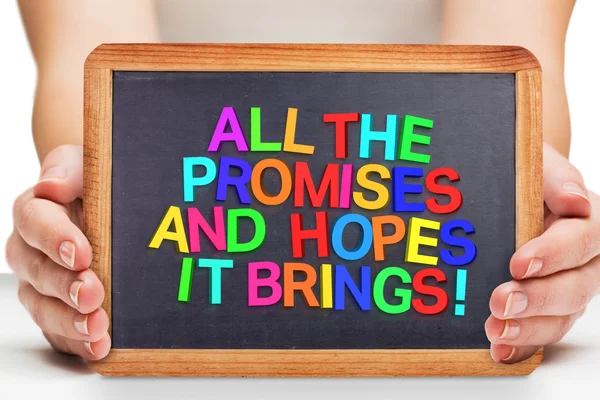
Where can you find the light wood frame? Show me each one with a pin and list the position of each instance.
(107, 58)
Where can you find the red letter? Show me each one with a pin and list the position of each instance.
(299, 234)
(341, 131)
(437, 292)
(452, 192)
(330, 180)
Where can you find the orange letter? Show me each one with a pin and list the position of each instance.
(286, 182)
(289, 285)
(379, 241)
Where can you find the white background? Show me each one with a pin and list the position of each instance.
(30, 368)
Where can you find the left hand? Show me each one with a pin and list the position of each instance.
(555, 275)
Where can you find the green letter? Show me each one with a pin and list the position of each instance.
(233, 246)
(404, 294)
(409, 137)
(256, 144)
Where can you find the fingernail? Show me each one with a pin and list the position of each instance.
(74, 292)
(511, 355)
(516, 303)
(534, 266)
(88, 348)
(81, 324)
(53, 173)
(67, 253)
(576, 189)
(511, 330)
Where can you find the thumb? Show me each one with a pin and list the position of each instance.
(565, 193)
(61, 177)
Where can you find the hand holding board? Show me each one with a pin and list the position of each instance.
(307, 209)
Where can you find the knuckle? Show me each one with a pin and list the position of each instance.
(18, 204)
(9, 251)
(564, 325)
(588, 244)
(66, 320)
(22, 293)
(26, 216)
(36, 269)
(541, 302)
(36, 312)
(529, 333)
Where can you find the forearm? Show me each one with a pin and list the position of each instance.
(61, 34)
(538, 25)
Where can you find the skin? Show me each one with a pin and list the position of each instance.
(555, 275)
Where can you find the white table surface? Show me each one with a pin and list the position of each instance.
(30, 369)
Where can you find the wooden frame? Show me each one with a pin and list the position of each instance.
(99, 69)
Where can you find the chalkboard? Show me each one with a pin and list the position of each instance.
(455, 172)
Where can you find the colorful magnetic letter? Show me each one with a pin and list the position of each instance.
(172, 216)
(401, 189)
(434, 187)
(344, 280)
(185, 281)
(239, 182)
(289, 139)
(326, 284)
(190, 181)
(236, 135)
(403, 294)
(214, 285)
(260, 231)
(341, 131)
(290, 285)
(338, 233)
(409, 137)
(286, 182)
(362, 178)
(470, 250)
(367, 136)
(196, 222)
(440, 295)
(415, 240)
(379, 240)
(254, 283)
(256, 143)
(330, 183)
(299, 234)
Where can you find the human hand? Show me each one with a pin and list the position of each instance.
(51, 256)
(555, 275)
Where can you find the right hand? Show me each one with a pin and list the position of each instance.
(51, 257)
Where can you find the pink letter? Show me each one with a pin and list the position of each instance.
(346, 191)
(236, 135)
(216, 236)
(254, 282)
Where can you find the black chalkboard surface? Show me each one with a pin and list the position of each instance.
(407, 235)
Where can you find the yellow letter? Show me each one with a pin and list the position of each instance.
(415, 239)
(172, 216)
(383, 195)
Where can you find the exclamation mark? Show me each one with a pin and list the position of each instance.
(461, 286)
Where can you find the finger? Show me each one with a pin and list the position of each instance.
(88, 350)
(568, 243)
(533, 331)
(509, 355)
(55, 317)
(80, 290)
(61, 178)
(563, 293)
(564, 190)
(46, 226)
